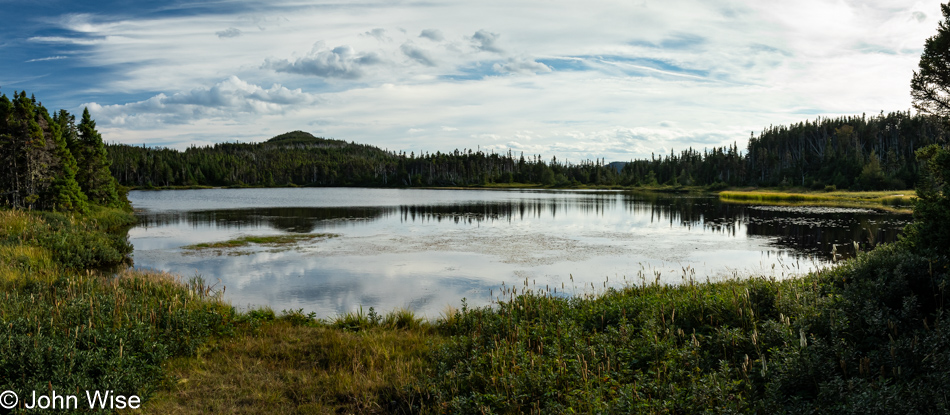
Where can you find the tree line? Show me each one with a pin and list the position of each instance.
(50, 162)
(855, 152)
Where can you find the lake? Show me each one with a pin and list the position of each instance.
(425, 249)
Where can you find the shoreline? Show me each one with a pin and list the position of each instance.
(895, 201)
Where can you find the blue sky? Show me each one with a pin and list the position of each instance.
(576, 80)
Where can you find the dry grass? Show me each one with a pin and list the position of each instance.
(283, 368)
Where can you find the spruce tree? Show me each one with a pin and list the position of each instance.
(94, 176)
(64, 193)
(930, 86)
(38, 169)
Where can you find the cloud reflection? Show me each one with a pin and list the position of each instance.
(447, 246)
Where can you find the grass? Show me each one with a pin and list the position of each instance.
(289, 366)
(271, 240)
(900, 201)
(864, 337)
(867, 336)
(66, 327)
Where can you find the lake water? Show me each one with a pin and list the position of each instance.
(425, 249)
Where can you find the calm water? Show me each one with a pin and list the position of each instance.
(426, 249)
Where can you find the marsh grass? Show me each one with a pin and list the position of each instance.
(867, 336)
(84, 331)
(66, 327)
(899, 201)
(852, 339)
(292, 364)
(270, 240)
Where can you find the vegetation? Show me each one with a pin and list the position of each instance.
(930, 86)
(856, 153)
(890, 200)
(67, 328)
(52, 164)
(272, 240)
(291, 364)
(867, 336)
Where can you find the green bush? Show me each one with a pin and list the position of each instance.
(930, 231)
(866, 336)
(91, 333)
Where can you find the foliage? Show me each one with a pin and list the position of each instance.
(867, 336)
(68, 329)
(870, 153)
(930, 230)
(930, 86)
(95, 178)
(50, 164)
(284, 367)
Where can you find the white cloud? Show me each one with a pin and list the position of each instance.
(432, 34)
(228, 99)
(230, 32)
(521, 65)
(711, 71)
(417, 54)
(486, 41)
(378, 33)
(339, 62)
(48, 58)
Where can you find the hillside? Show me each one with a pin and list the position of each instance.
(294, 158)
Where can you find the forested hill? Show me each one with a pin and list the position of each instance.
(292, 158)
(857, 152)
(305, 139)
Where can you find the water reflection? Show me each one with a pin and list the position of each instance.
(809, 231)
(425, 249)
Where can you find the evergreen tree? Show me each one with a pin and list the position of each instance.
(64, 192)
(929, 231)
(94, 176)
(39, 171)
(930, 86)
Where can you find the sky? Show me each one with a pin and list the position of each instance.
(617, 80)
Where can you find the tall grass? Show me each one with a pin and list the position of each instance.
(291, 366)
(868, 336)
(66, 328)
(890, 200)
(863, 337)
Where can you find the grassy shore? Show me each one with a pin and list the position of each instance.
(292, 364)
(868, 336)
(865, 337)
(67, 327)
(895, 200)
